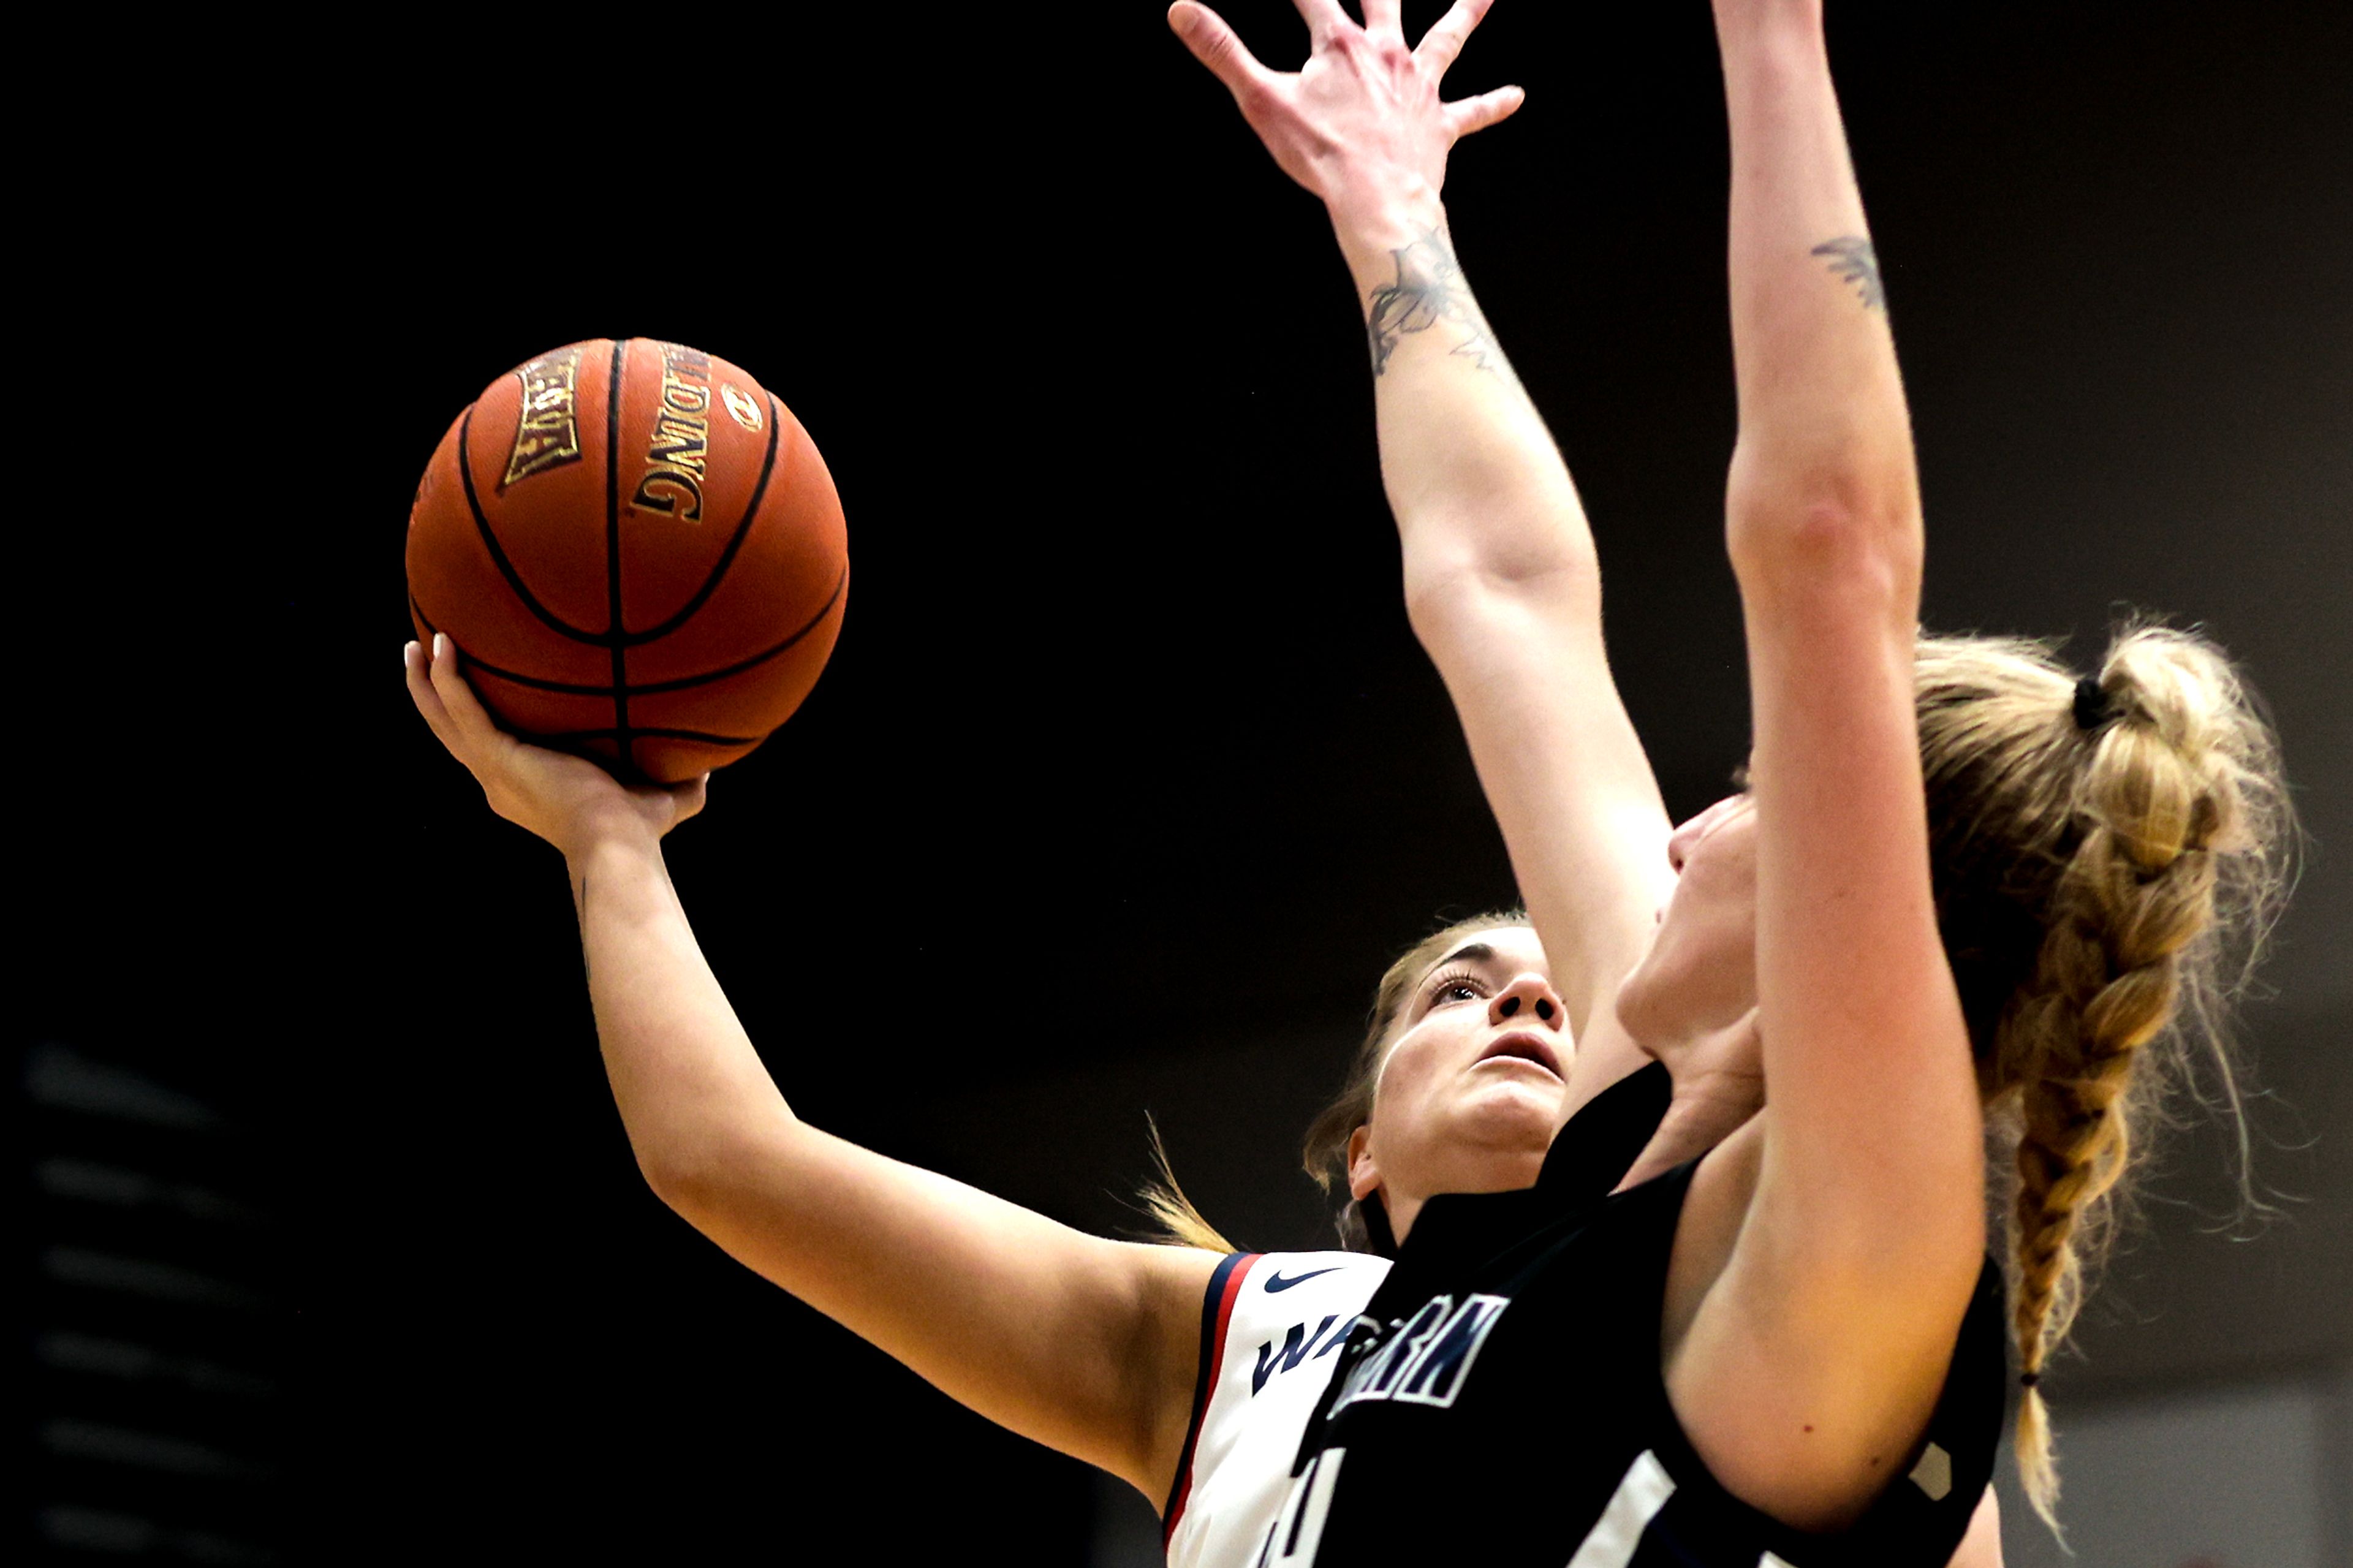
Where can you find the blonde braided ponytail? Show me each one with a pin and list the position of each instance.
(2098, 845)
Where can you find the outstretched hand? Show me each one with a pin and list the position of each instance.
(1361, 124)
(568, 801)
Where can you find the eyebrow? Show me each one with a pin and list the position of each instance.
(1470, 952)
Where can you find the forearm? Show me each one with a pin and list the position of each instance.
(690, 1087)
(1481, 499)
(1500, 577)
(1084, 1344)
(1823, 429)
(1503, 591)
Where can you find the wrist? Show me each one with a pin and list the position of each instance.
(1373, 227)
(1742, 25)
(607, 836)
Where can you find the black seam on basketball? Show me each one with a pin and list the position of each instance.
(704, 737)
(490, 542)
(653, 688)
(618, 633)
(475, 667)
(741, 665)
(726, 556)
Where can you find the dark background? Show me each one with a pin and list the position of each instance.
(1127, 776)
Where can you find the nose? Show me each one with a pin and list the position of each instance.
(1680, 842)
(1530, 993)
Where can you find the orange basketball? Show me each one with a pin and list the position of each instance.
(638, 552)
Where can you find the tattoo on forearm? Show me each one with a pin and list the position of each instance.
(1851, 257)
(1429, 289)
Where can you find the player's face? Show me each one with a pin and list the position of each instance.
(1700, 974)
(1472, 1087)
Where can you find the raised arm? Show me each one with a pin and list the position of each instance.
(1084, 1344)
(1822, 1348)
(1501, 579)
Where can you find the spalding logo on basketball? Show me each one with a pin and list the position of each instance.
(640, 553)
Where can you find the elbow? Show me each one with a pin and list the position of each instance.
(681, 1183)
(1824, 500)
(1843, 507)
(711, 1171)
(1860, 547)
(691, 1180)
(1459, 595)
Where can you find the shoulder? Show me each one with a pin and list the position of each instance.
(1282, 1273)
(1271, 1324)
(1253, 1289)
(1269, 1313)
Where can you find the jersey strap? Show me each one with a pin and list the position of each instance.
(1217, 1315)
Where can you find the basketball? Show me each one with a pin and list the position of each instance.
(638, 552)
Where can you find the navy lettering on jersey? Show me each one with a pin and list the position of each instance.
(1296, 1345)
(1429, 1356)
(1375, 1376)
(1435, 1376)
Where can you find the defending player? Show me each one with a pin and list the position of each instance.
(1965, 887)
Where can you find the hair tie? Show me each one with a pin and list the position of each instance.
(2029, 1379)
(2092, 707)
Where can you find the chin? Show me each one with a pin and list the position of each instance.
(1660, 1011)
(1636, 1015)
(1514, 1116)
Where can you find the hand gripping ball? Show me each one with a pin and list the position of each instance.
(638, 552)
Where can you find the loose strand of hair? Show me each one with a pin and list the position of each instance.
(1175, 1221)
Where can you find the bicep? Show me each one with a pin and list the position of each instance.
(1857, 1246)
(1084, 1344)
(1874, 1119)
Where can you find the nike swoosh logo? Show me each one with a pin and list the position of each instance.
(1275, 1282)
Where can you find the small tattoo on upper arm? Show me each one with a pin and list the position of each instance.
(1429, 289)
(1853, 258)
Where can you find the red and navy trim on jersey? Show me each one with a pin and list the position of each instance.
(1217, 1315)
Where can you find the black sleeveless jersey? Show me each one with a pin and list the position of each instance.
(1474, 1413)
(1595, 1148)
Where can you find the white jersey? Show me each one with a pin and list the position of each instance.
(1269, 1324)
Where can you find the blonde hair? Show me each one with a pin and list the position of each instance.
(2108, 856)
(1175, 1221)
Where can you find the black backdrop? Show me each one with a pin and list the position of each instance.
(1127, 745)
